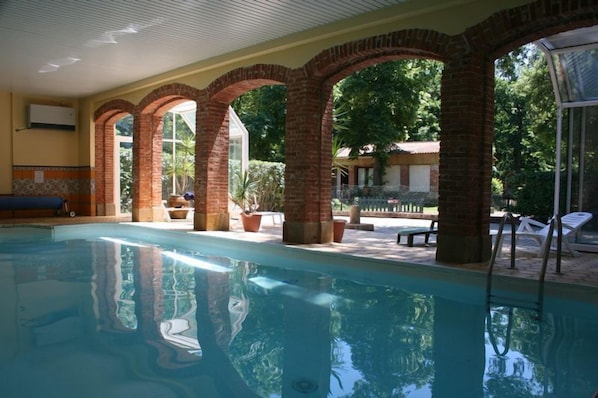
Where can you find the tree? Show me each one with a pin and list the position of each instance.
(524, 128)
(380, 107)
(427, 124)
(263, 112)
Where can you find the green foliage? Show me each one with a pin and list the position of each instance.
(427, 123)
(182, 165)
(269, 177)
(263, 112)
(524, 130)
(178, 160)
(260, 187)
(124, 126)
(244, 192)
(338, 166)
(497, 186)
(126, 179)
(379, 103)
(535, 194)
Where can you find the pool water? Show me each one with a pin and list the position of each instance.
(120, 312)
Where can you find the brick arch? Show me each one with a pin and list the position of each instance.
(344, 59)
(105, 117)
(112, 110)
(147, 147)
(510, 29)
(212, 144)
(167, 96)
(468, 113)
(238, 81)
(309, 122)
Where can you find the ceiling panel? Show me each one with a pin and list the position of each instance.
(98, 45)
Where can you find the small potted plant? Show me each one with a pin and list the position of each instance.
(244, 195)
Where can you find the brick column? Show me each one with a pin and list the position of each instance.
(308, 162)
(104, 181)
(211, 167)
(147, 168)
(465, 157)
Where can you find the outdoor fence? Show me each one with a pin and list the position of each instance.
(383, 199)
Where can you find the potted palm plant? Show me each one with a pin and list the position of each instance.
(338, 167)
(244, 195)
(182, 168)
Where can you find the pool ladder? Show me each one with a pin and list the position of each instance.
(555, 222)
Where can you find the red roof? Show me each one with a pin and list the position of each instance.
(418, 147)
(405, 147)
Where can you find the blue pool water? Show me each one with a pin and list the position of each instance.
(124, 311)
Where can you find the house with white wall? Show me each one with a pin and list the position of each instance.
(412, 168)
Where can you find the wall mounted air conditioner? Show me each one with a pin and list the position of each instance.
(51, 117)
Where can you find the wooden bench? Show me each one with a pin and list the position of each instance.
(411, 232)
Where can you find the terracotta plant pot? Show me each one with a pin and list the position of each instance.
(177, 201)
(251, 221)
(339, 230)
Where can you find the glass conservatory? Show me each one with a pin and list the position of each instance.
(179, 147)
(178, 153)
(573, 64)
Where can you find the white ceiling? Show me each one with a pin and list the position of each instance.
(75, 48)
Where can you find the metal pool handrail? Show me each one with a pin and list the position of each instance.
(556, 219)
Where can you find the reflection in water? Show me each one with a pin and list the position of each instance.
(146, 319)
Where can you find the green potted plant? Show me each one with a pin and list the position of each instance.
(182, 168)
(338, 167)
(244, 195)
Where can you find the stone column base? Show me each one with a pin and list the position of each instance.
(463, 249)
(211, 221)
(105, 209)
(307, 232)
(145, 214)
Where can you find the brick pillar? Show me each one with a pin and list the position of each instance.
(104, 181)
(465, 158)
(308, 162)
(147, 168)
(211, 167)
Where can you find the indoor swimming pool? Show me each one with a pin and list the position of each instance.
(124, 311)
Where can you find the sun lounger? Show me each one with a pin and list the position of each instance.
(411, 232)
(538, 232)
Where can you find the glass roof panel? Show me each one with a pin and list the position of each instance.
(572, 38)
(577, 75)
(574, 60)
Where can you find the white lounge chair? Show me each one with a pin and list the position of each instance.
(538, 231)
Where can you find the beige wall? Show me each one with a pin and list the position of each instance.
(42, 147)
(5, 143)
(20, 146)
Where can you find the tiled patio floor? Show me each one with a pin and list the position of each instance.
(381, 243)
